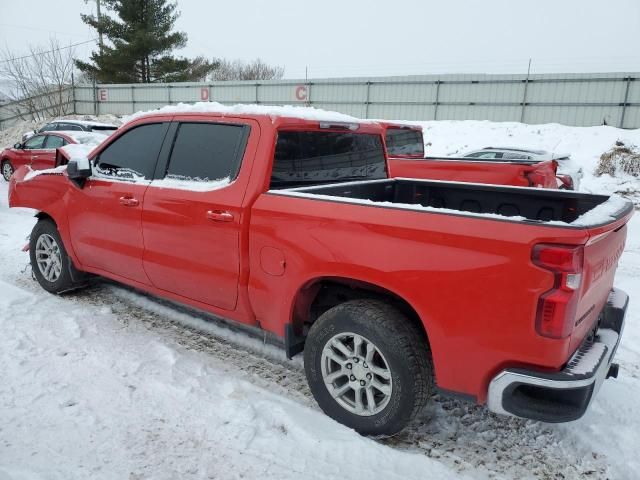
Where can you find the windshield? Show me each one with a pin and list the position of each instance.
(404, 142)
(313, 157)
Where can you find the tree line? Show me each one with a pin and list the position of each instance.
(140, 40)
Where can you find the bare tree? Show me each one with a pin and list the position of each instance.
(239, 70)
(41, 80)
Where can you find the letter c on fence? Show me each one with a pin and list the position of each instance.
(301, 92)
(204, 94)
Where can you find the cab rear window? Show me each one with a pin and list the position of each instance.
(305, 158)
(404, 142)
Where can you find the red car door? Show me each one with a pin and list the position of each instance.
(46, 157)
(31, 147)
(105, 217)
(192, 217)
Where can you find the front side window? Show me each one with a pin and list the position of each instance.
(404, 142)
(314, 157)
(205, 152)
(34, 142)
(134, 154)
(53, 141)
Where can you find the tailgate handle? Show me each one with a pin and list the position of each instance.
(219, 216)
(129, 201)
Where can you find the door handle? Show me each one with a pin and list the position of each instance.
(219, 216)
(129, 201)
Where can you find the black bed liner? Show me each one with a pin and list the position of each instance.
(531, 203)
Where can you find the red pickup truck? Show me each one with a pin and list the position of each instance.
(392, 287)
(405, 149)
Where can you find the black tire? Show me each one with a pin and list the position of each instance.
(405, 351)
(7, 169)
(64, 281)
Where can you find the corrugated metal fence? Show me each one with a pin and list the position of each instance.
(571, 99)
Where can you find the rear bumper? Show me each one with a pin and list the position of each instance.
(565, 395)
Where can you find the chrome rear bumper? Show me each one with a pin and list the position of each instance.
(566, 395)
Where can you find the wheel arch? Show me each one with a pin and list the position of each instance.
(320, 294)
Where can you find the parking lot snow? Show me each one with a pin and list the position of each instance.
(108, 383)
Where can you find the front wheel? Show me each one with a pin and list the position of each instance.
(368, 366)
(7, 170)
(49, 260)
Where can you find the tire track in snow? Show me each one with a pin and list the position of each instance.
(463, 436)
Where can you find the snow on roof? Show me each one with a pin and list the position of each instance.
(272, 111)
(87, 123)
(85, 138)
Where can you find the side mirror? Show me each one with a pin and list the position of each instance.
(78, 172)
(17, 146)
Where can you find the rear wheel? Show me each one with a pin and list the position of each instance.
(368, 366)
(50, 263)
(7, 170)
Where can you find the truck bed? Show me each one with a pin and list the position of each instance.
(529, 204)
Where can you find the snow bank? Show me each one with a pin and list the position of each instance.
(306, 113)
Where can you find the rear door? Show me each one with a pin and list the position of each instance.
(192, 215)
(105, 217)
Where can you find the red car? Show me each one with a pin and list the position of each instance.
(405, 149)
(392, 287)
(39, 151)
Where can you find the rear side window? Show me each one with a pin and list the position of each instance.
(515, 156)
(204, 152)
(133, 154)
(404, 142)
(54, 141)
(307, 158)
(48, 127)
(70, 127)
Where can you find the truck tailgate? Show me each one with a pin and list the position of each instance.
(601, 255)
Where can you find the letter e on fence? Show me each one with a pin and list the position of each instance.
(301, 93)
(204, 94)
(103, 95)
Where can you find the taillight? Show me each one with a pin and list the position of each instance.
(557, 307)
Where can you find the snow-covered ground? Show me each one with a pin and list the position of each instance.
(108, 383)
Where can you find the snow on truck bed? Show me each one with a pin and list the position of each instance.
(601, 214)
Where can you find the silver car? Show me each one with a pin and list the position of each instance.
(569, 174)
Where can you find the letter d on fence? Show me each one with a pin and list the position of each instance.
(204, 94)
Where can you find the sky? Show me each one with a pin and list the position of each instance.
(336, 38)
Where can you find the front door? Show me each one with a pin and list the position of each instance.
(46, 157)
(105, 217)
(192, 217)
(32, 147)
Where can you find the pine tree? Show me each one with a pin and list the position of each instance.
(142, 41)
